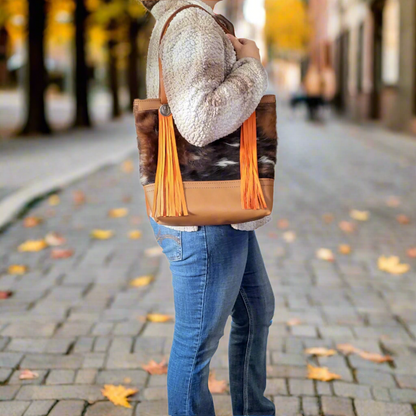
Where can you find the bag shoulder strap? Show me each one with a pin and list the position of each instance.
(162, 93)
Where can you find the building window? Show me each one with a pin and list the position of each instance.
(391, 42)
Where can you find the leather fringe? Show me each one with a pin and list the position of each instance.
(251, 192)
(169, 199)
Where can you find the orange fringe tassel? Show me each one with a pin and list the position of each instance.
(169, 197)
(251, 192)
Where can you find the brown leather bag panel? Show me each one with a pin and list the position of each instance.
(222, 197)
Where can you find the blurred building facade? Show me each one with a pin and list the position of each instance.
(371, 44)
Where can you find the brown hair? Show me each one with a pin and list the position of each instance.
(149, 3)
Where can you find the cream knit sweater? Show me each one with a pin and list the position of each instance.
(209, 92)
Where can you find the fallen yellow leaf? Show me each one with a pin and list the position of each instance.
(141, 281)
(127, 380)
(158, 317)
(28, 375)
(393, 201)
(325, 254)
(32, 245)
(347, 227)
(369, 356)
(30, 222)
(127, 166)
(293, 322)
(153, 251)
(17, 269)
(152, 367)
(135, 234)
(118, 212)
(411, 252)
(403, 219)
(283, 223)
(327, 218)
(359, 215)
(321, 374)
(320, 352)
(216, 386)
(344, 249)
(54, 199)
(101, 234)
(118, 394)
(54, 239)
(392, 265)
(289, 236)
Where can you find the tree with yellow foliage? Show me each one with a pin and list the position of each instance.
(287, 26)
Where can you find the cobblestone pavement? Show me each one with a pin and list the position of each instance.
(76, 321)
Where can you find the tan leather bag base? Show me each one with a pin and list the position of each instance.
(222, 197)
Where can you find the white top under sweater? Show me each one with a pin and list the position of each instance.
(208, 101)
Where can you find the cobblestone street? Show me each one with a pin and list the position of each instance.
(79, 323)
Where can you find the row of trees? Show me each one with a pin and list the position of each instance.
(112, 26)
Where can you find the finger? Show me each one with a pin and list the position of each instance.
(234, 41)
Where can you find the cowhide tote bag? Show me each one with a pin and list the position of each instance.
(186, 184)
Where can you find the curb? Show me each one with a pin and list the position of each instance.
(12, 205)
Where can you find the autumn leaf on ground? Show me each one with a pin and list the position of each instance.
(283, 223)
(321, 374)
(347, 227)
(327, 218)
(101, 234)
(403, 219)
(393, 201)
(5, 294)
(153, 251)
(359, 215)
(289, 236)
(375, 357)
(392, 265)
(30, 222)
(127, 199)
(127, 380)
(28, 375)
(61, 253)
(135, 234)
(78, 197)
(344, 249)
(54, 239)
(136, 219)
(118, 394)
(325, 254)
(54, 199)
(118, 212)
(320, 351)
(293, 322)
(141, 281)
(272, 234)
(152, 367)
(158, 317)
(216, 386)
(127, 166)
(17, 269)
(411, 252)
(32, 245)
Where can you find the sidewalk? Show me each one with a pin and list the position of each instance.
(79, 323)
(33, 167)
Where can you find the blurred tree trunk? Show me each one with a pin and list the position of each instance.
(112, 68)
(37, 76)
(3, 57)
(133, 73)
(82, 116)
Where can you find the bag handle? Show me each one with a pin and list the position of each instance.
(162, 92)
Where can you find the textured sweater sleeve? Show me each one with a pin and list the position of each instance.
(207, 105)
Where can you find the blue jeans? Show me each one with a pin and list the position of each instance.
(217, 271)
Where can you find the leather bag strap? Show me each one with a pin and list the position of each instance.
(162, 92)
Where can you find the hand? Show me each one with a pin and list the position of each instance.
(244, 47)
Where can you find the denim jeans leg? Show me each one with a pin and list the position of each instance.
(251, 318)
(206, 282)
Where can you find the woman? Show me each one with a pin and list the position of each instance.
(213, 82)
